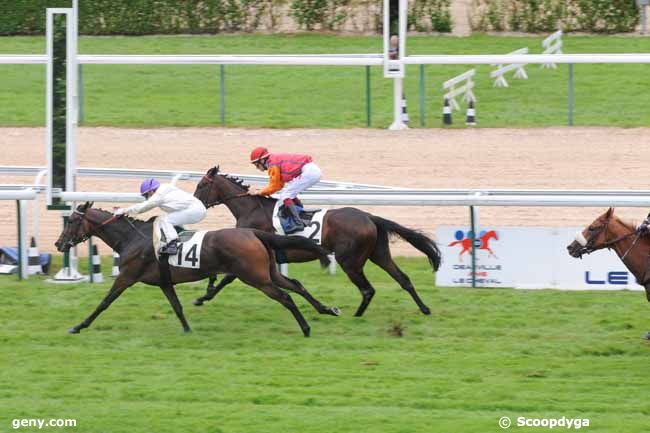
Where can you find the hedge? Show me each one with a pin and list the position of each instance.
(531, 16)
(142, 17)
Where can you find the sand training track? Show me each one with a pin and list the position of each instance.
(589, 158)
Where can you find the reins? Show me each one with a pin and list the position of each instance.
(210, 180)
(93, 229)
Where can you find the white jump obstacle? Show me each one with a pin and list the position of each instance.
(499, 73)
(465, 83)
(552, 45)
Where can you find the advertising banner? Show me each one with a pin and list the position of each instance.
(526, 258)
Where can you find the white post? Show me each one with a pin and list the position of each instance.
(22, 238)
(72, 95)
(35, 208)
(332, 266)
(397, 106)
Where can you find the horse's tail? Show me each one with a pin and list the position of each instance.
(419, 240)
(294, 243)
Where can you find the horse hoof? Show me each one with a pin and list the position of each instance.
(426, 311)
(647, 336)
(74, 330)
(187, 330)
(197, 302)
(306, 332)
(335, 311)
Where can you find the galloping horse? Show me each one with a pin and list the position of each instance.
(608, 231)
(248, 254)
(352, 234)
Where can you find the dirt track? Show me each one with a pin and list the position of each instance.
(589, 158)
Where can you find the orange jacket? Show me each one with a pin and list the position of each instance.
(275, 181)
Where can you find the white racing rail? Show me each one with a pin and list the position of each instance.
(20, 196)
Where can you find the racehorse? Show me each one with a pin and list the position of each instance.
(353, 235)
(248, 254)
(609, 231)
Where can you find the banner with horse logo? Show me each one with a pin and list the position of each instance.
(526, 258)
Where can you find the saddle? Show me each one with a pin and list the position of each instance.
(306, 215)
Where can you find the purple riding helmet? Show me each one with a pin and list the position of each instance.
(149, 185)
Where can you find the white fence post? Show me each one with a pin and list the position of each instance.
(499, 73)
(552, 45)
(465, 89)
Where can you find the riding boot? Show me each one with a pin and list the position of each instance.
(298, 224)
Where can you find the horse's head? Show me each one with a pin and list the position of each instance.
(215, 188)
(597, 235)
(206, 189)
(76, 229)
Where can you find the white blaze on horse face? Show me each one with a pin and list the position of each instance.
(580, 238)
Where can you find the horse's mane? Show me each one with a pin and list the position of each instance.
(236, 181)
(136, 221)
(629, 224)
(240, 183)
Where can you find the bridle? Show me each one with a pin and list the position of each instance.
(588, 244)
(95, 227)
(210, 180)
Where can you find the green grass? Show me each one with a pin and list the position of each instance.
(275, 96)
(481, 355)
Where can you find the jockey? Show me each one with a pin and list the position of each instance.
(289, 174)
(181, 208)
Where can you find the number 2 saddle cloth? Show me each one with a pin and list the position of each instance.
(313, 220)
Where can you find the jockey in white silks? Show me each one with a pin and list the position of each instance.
(180, 207)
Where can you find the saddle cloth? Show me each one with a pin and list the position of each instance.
(189, 247)
(313, 220)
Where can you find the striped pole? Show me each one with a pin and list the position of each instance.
(33, 260)
(471, 114)
(405, 114)
(116, 265)
(446, 113)
(97, 276)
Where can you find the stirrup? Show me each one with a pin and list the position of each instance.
(171, 249)
(295, 227)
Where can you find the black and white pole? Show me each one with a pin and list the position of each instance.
(96, 271)
(471, 114)
(33, 259)
(405, 114)
(115, 271)
(446, 113)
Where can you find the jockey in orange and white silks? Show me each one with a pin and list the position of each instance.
(180, 207)
(289, 175)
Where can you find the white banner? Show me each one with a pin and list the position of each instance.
(527, 258)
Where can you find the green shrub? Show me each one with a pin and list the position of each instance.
(594, 16)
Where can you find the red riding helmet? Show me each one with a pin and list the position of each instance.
(259, 153)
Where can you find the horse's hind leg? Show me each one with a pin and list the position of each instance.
(273, 292)
(297, 287)
(212, 291)
(382, 258)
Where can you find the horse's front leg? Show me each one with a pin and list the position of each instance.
(212, 291)
(120, 284)
(647, 295)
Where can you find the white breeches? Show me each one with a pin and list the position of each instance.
(191, 215)
(310, 176)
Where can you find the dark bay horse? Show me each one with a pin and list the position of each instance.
(353, 235)
(248, 254)
(609, 231)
